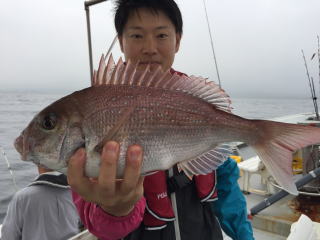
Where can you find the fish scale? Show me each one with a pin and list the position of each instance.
(165, 122)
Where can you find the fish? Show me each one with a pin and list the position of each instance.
(177, 119)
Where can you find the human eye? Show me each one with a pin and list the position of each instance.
(135, 36)
(162, 36)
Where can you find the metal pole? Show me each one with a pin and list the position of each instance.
(89, 41)
(87, 4)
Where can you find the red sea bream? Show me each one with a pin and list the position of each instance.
(176, 119)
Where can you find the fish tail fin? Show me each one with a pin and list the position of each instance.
(276, 144)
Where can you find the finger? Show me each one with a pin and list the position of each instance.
(132, 169)
(76, 173)
(108, 168)
(140, 181)
(140, 188)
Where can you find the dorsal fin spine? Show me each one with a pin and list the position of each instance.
(202, 90)
(195, 85)
(172, 81)
(101, 70)
(166, 81)
(104, 78)
(94, 78)
(153, 77)
(128, 75)
(109, 69)
(163, 79)
(133, 74)
(209, 94)
(177, 83)
(142, 77)
(115, 73)
(182, 84)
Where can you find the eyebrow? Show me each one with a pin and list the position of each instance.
(140, 28)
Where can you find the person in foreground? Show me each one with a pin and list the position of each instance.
(134, 207)
(43, 210)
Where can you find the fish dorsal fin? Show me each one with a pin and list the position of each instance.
(104, 73)
(128, 74)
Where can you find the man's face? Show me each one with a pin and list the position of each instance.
(150, 38)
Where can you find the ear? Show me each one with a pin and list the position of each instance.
(178, 39)
(120, 39)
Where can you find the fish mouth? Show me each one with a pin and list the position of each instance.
(19, 146)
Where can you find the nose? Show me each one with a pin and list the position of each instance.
(150, 46)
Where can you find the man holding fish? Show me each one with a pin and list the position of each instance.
(149, 33)
(145, 146)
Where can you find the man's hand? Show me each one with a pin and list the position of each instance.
(116, 196)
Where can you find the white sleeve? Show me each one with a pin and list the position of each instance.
(12, 223)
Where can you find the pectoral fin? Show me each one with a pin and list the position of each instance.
(127, 112)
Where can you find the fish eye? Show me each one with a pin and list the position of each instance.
(49, 122)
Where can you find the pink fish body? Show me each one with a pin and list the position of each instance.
(176, 119)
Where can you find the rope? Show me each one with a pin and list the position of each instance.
(9, 168)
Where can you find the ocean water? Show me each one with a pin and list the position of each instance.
(18, 109)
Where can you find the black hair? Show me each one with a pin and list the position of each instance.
(124, 8)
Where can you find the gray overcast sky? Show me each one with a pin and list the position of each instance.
(43, 44)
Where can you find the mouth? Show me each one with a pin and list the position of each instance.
(21, 147)
(151, 63)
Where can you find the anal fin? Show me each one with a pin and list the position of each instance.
(207, 162)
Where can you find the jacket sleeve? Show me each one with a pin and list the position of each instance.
(231, 208)
(105, 226)
(12, 223)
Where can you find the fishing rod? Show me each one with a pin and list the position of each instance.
(319, 56)
(9, 168)
(311, 85)
(211, 41)
(281, 194)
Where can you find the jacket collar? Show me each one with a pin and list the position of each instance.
(54, 179)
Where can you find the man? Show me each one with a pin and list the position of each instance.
(149, 32)
(43, 210)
